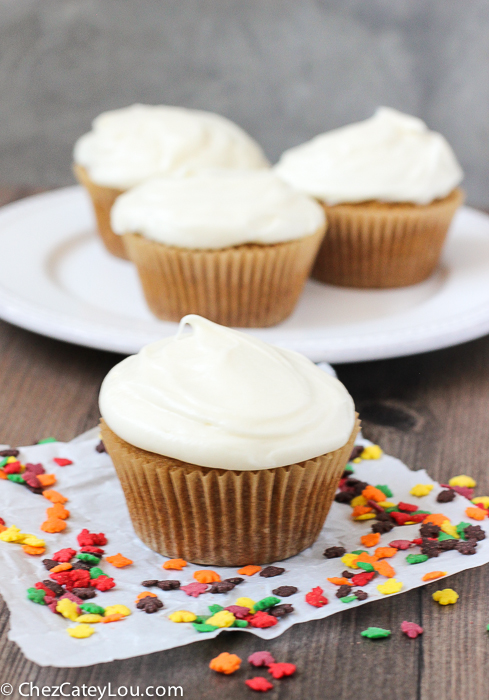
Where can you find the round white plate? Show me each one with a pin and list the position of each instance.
(57, 279)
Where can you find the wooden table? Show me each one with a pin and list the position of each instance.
(430, 410)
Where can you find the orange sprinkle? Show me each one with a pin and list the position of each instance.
(206, 576)
(249, 570)
(436, 519)
(225, 663)
(2, 475)
(370, 540)
(2, 528)
(476, 513)
(58, 511)
(46, 479)
(340, 581)
(432, 575)
(33, 550)
(360, 510)
(60, 567)
(176, 564)
(113, 618)
(119, 561)
(145, 594)
(384, 569)
(373, 494)
(367, 558)
(54, 496)
(385, 552)
(53, 524)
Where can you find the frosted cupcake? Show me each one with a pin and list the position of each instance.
(229, 450)
(389, 189)
(233, 246)
(127, 146)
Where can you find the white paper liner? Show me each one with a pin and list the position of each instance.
(97, 503)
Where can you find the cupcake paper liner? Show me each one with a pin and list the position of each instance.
(223, 517)
(103, 199)
(374, 244)
(248, 285)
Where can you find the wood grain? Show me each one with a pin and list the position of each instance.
(430, 410)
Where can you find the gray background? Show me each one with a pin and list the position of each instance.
(283, 69)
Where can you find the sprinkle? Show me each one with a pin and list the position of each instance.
(266, 603)
(316, 598)
(385, 552)
(447, 596)
(221, 619)
(45, 441)
(259, 683)
(249, 570)
(53, 525)
(261, 658)
(350, 560)
(80, 631)
(112, 618)
(372, 452)
(421, 490)
(262, 620)
(366, 516)
(463, 480)
(194, 589)
(384, 569)
(348, 598)
(373, 494)
(225, 663)
(281, 670)
(68, 609)
(92, 608)
(90, 618)
(370, 540)
(33, 551)
(416, 558)
(336, 581)
(411, 629)
(182, 616)
(47, 479)
(64, 555)
(271, 571)
(54, 496)
(475, 513)
(62, 462)
(203, 627)
(358, 501)
(206, 576)
(436, 519)
(117, 610)
(376, 633)
(483, 500)
(246, 603)
(432, 575)
(334, 552)
(86, 538)
(362, 579)
(390, 586)
(385, 490)
(57, 511)
(119, 561)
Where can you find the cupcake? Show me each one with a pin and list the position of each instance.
(228, 450)
(233, 246)
(127, 146)
(389, 189)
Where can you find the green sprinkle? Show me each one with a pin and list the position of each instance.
(3, 462)
(204, 627)
(348, 598)
(266, 603)
(444, 536)
(421, 512)
(45, 441)
(16, 477)
(416, 558)
(36, 595)
(365, 565)
(392, 509)
(215, 608)
(461, 530)
(86, 556)
(385, 490)
(95, 572)
(92, 608)
(349, 469)
(360, 551)
(376, 633)
(200, 619)
(240, 623)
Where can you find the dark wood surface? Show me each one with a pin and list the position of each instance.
(430, 410)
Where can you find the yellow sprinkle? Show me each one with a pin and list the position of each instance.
(462, 480)
(421, 490)
(349, 560)
(372, 452)
(117, 610)
(365, 516)
(33, 541)
(358, 501)
(80, 631)
(357, 460)
(89, 617)
(68, 609)
(12, 534)
(450, 529)
(447, 596)
(224, 618)
(182, 616)
(386, 504)
(390, 586)
(482, 499)
(246, 603)
(11, 460)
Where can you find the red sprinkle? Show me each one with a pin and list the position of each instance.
(64, 555)
(403, 518)
(102, 583)
(400, 544)
(261, 658)
(411, 629)
(316, 598)
(282, 669)
(92, 550)
(262, 619)
(62, 462)
(75, 578)
(363, 578)
(259, 683)
(12, 468)
(408, 507)
(86, 538)
(418, 541)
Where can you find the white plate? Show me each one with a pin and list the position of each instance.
(57, 279)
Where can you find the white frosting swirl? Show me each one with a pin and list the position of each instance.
(390, 157)
(217, 210)
(220, 398)
(129, 145)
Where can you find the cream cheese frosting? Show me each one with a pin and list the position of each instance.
(217, 209)
(216, 397)
(391, 157)
(127, 146)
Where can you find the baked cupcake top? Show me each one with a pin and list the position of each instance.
(391, 157)
(216, 397)
(217, 209)
(127, 146)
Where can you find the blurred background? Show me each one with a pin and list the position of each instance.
(285, 70)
